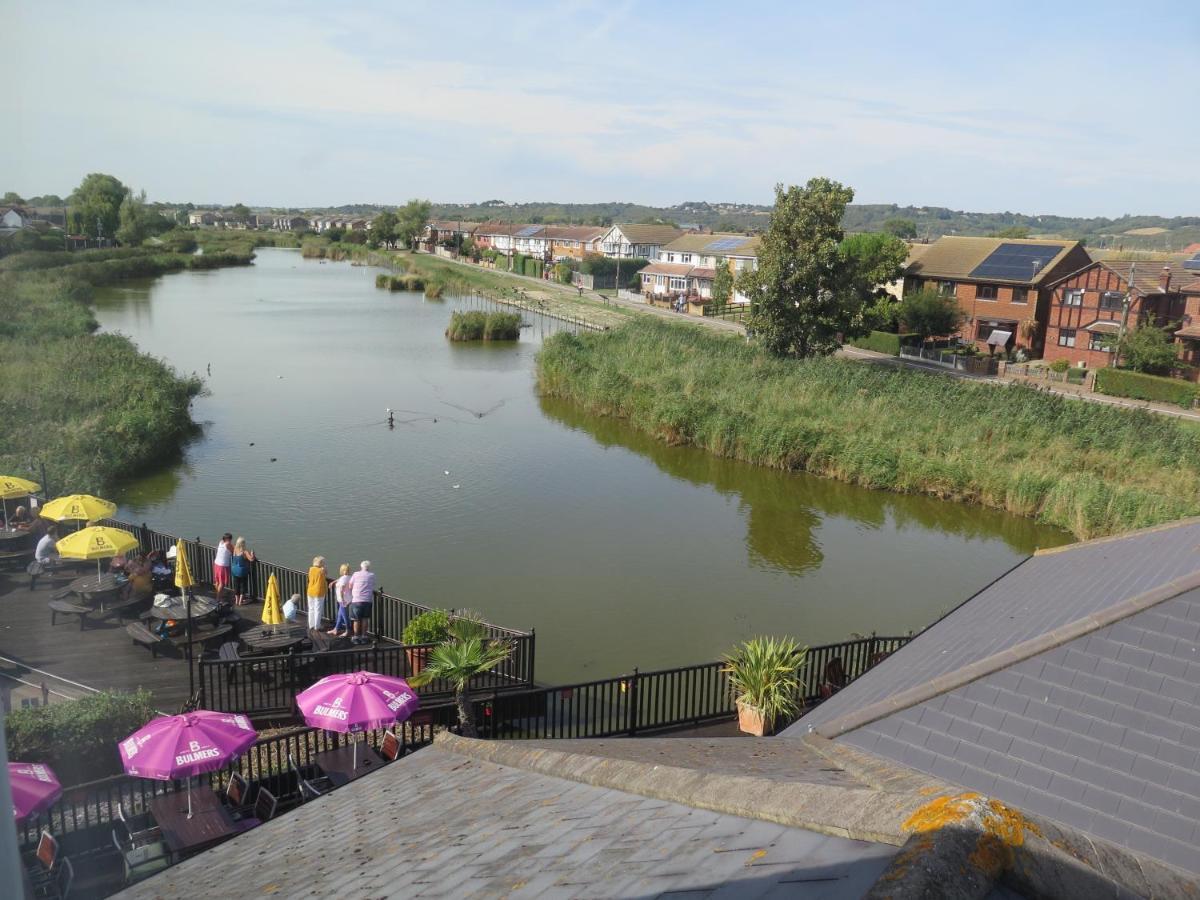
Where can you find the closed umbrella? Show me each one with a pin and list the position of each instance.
(357, 702)
(34, 788)
(96, 542)
(183, 581)
(272, 613)
(185, 745)
(12, 487)
(80, 507)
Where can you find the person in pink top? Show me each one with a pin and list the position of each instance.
(362, 594)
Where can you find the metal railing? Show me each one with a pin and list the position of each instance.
(973, 365)
(644, 702)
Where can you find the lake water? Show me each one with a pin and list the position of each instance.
(621, 551)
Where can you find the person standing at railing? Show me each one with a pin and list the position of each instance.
(240, 565)
(221, 560)
(318, 587)
(341, 593)
(362, 595)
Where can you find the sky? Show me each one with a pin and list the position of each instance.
(1033, 107)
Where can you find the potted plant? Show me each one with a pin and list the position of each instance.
(429, 627)
(764, 678)
(466, 652)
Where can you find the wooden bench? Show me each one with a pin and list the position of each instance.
(200, 636)
(144, 636)
(118, 608)
(63, 607)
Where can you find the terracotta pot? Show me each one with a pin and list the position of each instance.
(751, 719)
(416, 660)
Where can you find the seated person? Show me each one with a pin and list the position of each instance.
(20, 518)
(46, 553)
(141, 583)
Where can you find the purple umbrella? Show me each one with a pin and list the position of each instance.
(34, 787)
(186, 745)
(357, 702)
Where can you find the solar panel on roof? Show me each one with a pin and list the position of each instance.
(1193, 263)
(1016, 262)
(725, 244)
(529, 231)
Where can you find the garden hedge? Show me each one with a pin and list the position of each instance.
(884, 342)
(1124, 383)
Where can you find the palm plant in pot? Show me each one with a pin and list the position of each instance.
(467, 651)
(429, 627)
(764, 678)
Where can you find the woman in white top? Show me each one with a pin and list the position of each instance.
(341, 592)
(221, 561)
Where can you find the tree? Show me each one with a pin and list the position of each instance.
(240, 212)
(12, 199)
(45, 200)
(930, 313)
(133, 219)
(383, 228)
(811, 287)
(722, 286)
(98, 199)
(467, 652)
(1013, 231)
(411, 220)
(905, 229)
(1150, 350)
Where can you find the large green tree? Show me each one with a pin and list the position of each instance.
(901, 228)
(133, 219)
(811, 286)
(722, 286)
(11, 198)
(930, 313)
(411, 220)
(239, 212)
(1149, 349)
(98, 200)
(383, 229)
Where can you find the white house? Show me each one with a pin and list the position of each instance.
(202, 217)
(638, 241)
(688, 264)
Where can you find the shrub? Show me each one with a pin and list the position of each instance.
(78, 738)
(1138, 386)
(429, 627)
(885, 342)
(1060, 365)
(501, 326)
(562, 273)
(383, 280)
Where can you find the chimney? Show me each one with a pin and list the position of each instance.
(1164, 279)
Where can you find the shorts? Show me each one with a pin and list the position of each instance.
(241, 584)
(360, 612)
(220, 576)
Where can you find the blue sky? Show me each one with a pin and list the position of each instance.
(1047, 107)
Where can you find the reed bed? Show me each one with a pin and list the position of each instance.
(484, 326)
(1090, 469)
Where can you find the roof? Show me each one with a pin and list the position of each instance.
(677, 270)
(1104, 326)
(705, 273)
(1146, 273)
(650, 234)
(452, 825)
(1070, 687)
(1191, 331)
(716, 244)
(454, 226)
(575, 232)
(915, 252)
(958, 257)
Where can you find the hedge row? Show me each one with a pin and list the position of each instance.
(1123, 383)
(885, 342)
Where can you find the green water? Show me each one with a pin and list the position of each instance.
(621, 551)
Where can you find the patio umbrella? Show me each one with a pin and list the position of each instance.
(183, 581)
(12, 487)
(81, 507)
(96, 542)
(185, 745)
(357, 702)
(272, 613)
(34, 787)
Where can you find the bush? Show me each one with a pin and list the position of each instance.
(885, 342)
(78, 738)
(429, 627)
(1060, 365)
(480, 326)
(1123, 383)
(562, 273)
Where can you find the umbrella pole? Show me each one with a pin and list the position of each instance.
(354, 765)
(191, 678)
(189, 796)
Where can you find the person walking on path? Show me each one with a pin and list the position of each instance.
(318, 587)
(341, 592)
(240, 566)
(221, 560)
(362, 595)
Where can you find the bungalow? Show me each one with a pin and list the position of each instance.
(688, 264)
(638, 241)
(1000, 285)
(574, 241)
(1088, 307)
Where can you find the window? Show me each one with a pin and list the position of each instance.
(946, 288)
(1113, 300)
(1066, 337)
(1020, 295)
(685, 257)
(985, 292)
(670, 257)
(1099, 342)
(679, 284)
(1073, 297)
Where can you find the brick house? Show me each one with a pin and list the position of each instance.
(575, 241)
(1188, 334)
(1087, 307)
(1000, 284)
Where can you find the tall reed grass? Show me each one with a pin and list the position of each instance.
(1092, 470)
(484, 326)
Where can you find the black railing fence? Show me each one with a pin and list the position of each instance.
(643, 702)
(262, 686)
(82, 819)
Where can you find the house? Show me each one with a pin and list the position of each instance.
(1087, 307)
(638, 241)
(202, 217)
(1187, 334)
(688, 264)
(289, 222)
(14, 218)
(1000, 285)
(1069, 688)
(574, 241)
(449, 233)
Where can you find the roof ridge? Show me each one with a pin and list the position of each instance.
(1108, 538)
(1002, 659)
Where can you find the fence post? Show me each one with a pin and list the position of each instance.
(632, 706)
(532, 653)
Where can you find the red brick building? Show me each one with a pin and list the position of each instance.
(1000, 284)
(1087, 307)
(1188, 335)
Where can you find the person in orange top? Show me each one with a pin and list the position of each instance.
(318, 587)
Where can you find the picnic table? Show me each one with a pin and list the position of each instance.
(338, 765)
(211, 822)
(177, 609)
(12, 535)
(96, 589)
(275, 637)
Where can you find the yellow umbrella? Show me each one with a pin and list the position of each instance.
(183, 571)
(96, 543)
(78, 506)
(272, 608)
(12, 487)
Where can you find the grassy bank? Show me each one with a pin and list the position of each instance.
(1090, 469)
(92, 408)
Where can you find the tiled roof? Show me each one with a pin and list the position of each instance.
(678, 270)
(650, 234)
(1147, 273)
(957, 257)
(440, 824)
(716, 244)
(575, 232)
(454, 226)
(1070, 687)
